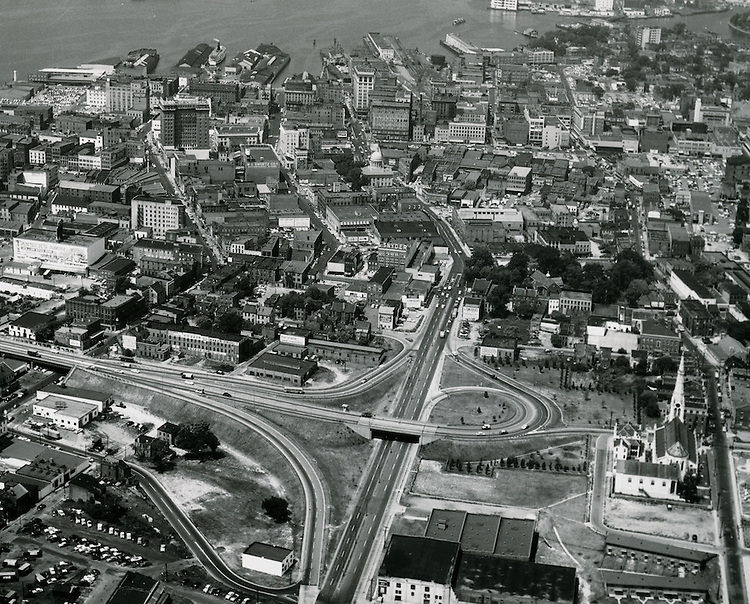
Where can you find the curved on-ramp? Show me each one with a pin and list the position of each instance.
(316, 507)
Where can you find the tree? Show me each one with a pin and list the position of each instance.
(663, 365)
(688, 487)
(737, 234)
(277, 509)
(649, 403)
(230, 322)
(196, 438)
(743, 213)
(636, 289)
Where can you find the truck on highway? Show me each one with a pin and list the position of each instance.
(187, 376)
(442, 333)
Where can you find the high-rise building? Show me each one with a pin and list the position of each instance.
(648, 35)
(604, 6)
(363, 82)
(185, 122)
(160, 214)
(293, 145)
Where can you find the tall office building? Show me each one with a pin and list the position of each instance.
(363, 82)
(160, 214)
(648, 35)
(293, 145)
(604, 6)
(185, 122)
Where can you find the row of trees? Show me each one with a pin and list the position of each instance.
(480, 467)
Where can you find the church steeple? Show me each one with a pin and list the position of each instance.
(677, 403)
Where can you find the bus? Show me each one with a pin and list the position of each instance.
(293, 390)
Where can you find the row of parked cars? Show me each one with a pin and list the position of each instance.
(231, 596)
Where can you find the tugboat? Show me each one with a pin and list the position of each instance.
(459, 21)
(530, 33)
(217, 55)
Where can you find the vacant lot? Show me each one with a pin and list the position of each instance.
(742, 467)
(227, 492)
(655, 519)
(583, 544)
(508, 487)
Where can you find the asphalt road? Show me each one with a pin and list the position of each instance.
(350, 559)
(732, 540)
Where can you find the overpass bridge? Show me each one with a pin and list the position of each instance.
(394, 429)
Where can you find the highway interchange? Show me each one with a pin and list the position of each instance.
(357, 545)
(239, 397)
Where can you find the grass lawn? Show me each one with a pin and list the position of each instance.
(469, 451)
(655, 519)
(341, 455)
(454, 376)
(579, 407)
(463, 408)
(508, 487)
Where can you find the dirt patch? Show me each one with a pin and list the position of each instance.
(655, 519)
(226, 502)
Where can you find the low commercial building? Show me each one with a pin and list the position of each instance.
(53, 250)
(641, 587)
(268, 559)
(646, 550)
(100, 400)
(113, 313)
(656, 338)
(67, 414)
(349, 353)
(282, 368)
(31, 326)
(135, 588)
(487, 224)
(687, 287)
(209, 344)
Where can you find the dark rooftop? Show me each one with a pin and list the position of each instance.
(270, 552)
(502, 576)
(420, 558)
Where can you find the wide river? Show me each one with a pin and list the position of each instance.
(44, 33)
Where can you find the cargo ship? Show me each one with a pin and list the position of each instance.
(217, 55)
